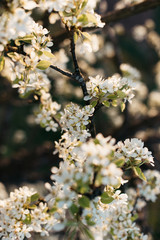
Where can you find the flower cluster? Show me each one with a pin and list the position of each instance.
(47, 111)
(110, 90)
(22, 214)
(66, 147)
(112, 220)
(130, 72)
(134, 152)
(14, 24)
(94, 166)
(75, 119)
(25, 75)
(78, 13)
(85, 196)
(150, 189)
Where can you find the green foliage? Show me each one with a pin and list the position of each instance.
(139, 173)
(43, 64)
(106, 198)
(84, 202)
(2, 63)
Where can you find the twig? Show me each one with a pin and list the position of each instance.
(131, 10)
(55, 119)
(77, 73)
(78, 76)
(116, 15)
(67, 74)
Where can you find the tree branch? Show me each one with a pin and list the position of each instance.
(116, 15)
(65, 73)
(131, 10)
(77, 74)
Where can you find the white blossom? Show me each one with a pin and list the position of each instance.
(134, 151)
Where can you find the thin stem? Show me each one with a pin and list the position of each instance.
(75, 62)
(130, 10)
(67, 74)
(77, 74)
(116, 15)
(55, 119)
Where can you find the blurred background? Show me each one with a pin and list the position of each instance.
(26, 149)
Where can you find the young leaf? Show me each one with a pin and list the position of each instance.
(88, 233)
(121, 94)
(139, 173)
(43, 64)
(105, 198)
(34, 197)
(74, 209)
(83, 18)
(112, 96)
(48, 54)
(114, 103)
(2, 62)
(28, 219)
(91, 18)
(94, 103)
(84, 4)
(106, 103)
(75, 37)
(84, 202)
(122, 106)
(86, 35)
(52, 210)
(120, 162)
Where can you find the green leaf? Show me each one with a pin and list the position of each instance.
(91, 18)
(94, 103)
(87, 232)
(121, 94)
(122, 106)
(48, 54)
(114, 103)
(72, 234)
(86, 35)
(43, 64)
(112, 96)
(74, 209)
(98, 180)
(84, 202)
(11, 54)
(66, 14)
(83, 18)
(84, 4)
(139, 173)
(26, 39)
(71, 223)
(120, 162)
(96, 141)
(34, 197)
(75, 36)
(106, 103)
(52, 210)
(2, 62)
(134, 217)
(28, 219)
(105, 198)
(89, 221)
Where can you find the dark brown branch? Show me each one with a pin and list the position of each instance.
(77, 73)
(131, 10)
(117, 15)
(67, 74)
(55, 119)
(78, 77)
